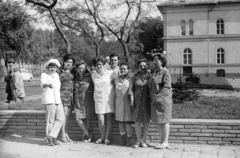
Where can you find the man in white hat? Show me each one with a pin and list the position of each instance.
(55, 117)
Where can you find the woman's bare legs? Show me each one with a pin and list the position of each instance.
(101, 126)
(64, 129)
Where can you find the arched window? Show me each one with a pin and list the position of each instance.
(190, 27)
(220, 56)
(183, 28)
(187, 56)
(220, 26)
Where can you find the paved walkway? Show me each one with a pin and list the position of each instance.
(14, 146)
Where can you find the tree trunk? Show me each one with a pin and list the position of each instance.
(125, 50)
(97, 50)
(67, 42)
(19, 61)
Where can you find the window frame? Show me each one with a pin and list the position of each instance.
(220, 56)
(183, 28)
(187, 53)
(220, 27)
(190, 27)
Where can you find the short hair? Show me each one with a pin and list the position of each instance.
(114, 55)
(11, 60)
(142, 60)
(66, 57)
(162, 58)
(125, 64)
(81, 62)
(97, 59)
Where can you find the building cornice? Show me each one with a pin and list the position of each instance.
(202, 37)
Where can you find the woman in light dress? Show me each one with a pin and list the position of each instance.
(123, 112)
(104, 96)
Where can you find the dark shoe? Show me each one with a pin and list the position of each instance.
(55, 142)
(124, 142)
(128, 141)
(7, 101)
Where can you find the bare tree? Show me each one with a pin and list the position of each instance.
(49, 6)
(124, 32)
(74, 18)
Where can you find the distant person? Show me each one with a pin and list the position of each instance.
(114, 59)
(161, 100)
(140, 102)
(51, 99)
(7, 79)
(16, 82)
(107, 64)
(66, 75)
(123, 112)
(83, 99)
(104, 97)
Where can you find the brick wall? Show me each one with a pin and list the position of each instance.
(195, 131)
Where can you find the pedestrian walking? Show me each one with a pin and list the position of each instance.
(7, 79)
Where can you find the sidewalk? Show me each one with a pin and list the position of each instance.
(15, 146)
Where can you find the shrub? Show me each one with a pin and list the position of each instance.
(193, 79)
(182, 93)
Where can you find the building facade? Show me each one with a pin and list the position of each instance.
(202, 37)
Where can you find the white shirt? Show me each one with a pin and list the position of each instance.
(51, 95)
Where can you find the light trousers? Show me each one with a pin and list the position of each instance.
(54, 119)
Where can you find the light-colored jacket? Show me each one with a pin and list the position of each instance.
(17, 85)
(51, 95)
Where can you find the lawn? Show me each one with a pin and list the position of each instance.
(203, 108)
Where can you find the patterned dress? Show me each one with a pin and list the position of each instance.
(66, 78)
(83, 96)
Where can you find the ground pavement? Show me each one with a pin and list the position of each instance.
(15, 146)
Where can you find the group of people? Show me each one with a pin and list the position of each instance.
(14, 83)
(108, 89)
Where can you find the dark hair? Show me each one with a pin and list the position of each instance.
(142, 60)
(114, 55)
(97, 59)
(66, 57)
(81, 62)
(125, 64)
(162, 58)
(11, 60)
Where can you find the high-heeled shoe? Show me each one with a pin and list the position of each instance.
(99, 141)
(107, 142)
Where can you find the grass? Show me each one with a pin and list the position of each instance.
(209, 108)
(203, 108)
(27, 105)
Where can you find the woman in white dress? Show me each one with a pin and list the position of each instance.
(104, 96)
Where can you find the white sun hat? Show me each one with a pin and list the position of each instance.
(52, 61)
